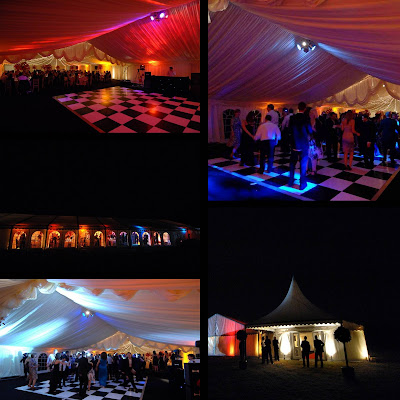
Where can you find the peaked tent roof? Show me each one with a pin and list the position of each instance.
(295, 308)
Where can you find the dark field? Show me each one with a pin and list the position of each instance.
(286, 380)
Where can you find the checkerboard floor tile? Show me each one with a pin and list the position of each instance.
(113, 390)
(331, 183)
(125, 110)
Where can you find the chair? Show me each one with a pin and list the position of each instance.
(35, 85)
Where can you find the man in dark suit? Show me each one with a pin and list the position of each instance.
(388, 128)
(305, 352)
(128, 371)
(301, 127)
(83, 369)
(319, 348)
(268, 352)
(276, 348)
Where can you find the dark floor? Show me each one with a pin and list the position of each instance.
(225, 187)
(158, 387)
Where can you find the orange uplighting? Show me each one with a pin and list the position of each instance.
(152, 62)
(232, 350)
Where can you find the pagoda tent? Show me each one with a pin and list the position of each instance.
(297, 317)
(253, 59)
(222, 339)
(44, 315)
(116, 35)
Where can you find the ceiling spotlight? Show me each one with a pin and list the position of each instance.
(158, 16)
(87, 314)
(306, 45)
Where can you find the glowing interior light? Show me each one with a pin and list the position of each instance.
(304, 44)
(330, 347)
(298, 46)
(312, 48)
(166, 16)
(232, 350)
(285, 344)
(162, 15)
(152, 17)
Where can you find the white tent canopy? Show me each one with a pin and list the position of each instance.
(41, 315)
(295, 308)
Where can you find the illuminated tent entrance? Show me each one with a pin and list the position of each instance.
(140, 315)
(297, 317)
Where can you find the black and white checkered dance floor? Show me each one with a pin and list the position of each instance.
(125, 110)
(331, 183)
(112, 390)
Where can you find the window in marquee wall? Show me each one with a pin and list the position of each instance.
(135, 239)
(98, 239)
(69, 239)
(166, 239)
(19, 240)
(54, 240)
(42, 362)
(146, 239)
(227, 116)
(156, 239)
(111, 239)
(123, 237)
(36, 240)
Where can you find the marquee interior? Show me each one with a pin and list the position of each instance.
(356, 40)
(43, 315)
(116, 34)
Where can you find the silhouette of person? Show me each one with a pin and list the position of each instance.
(276, 348)
(305, 353)
(268, 351)
(319, 348)
(263, 350)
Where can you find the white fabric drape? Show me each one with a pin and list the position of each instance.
(359, 32)
(253, 60)
(81, 52)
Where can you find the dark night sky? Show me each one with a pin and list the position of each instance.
(133, 178)
(344, 260)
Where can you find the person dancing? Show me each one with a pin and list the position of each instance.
(349, 131)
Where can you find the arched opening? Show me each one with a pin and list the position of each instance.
(37, 240)
(156, 239)
(84, 238)
(166, 239)
(69, 239)
(135, 239)
(111, 239)
(123, 238)
(53, 240)
(98, 239)
(227, 116)
(19, 240)
(42, 362)
(146, 239)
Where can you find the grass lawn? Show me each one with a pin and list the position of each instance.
(289, 380)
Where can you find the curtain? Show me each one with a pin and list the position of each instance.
(172, 40)
(81, 52)
(35, 26)
(253, 60)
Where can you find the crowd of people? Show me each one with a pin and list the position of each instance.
(27, 82)
(89, 368)
(308, 137)
(305, 350)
